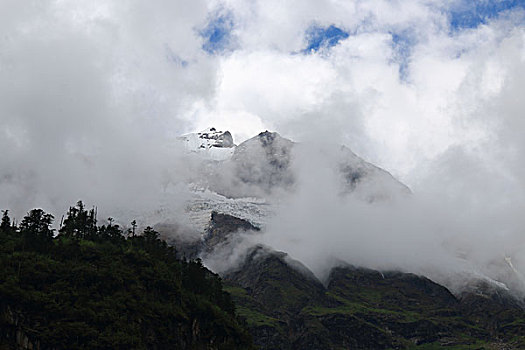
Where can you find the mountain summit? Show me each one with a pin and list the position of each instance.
(268, 163)
(209, 143)
(264, 161)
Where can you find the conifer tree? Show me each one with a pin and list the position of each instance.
(80, 223)
(5, 225)
(36, 228)
(134, 225)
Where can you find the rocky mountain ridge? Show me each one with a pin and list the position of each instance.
(286, 307)
(268, 163)
(283, 302)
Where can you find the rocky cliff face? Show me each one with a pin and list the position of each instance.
(221, 227)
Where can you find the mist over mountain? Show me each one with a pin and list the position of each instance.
(385, 135)
(323, 205)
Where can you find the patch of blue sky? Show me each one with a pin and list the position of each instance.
(217, 34)
(402, 45)
(468, 14)
(323, 37)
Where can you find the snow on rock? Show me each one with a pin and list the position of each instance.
(247, 180)
(199, 208)
(209, 144)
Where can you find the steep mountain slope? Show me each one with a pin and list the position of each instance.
(267, 164)
(284, 304)
(221, 227)
(266, 170)
(364, 309)
(286, 307)
(372, 182)
(264, 162)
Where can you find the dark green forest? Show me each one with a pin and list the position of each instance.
(91, 286)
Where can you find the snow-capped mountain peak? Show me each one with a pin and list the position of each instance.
(210, 143)
(212, 137)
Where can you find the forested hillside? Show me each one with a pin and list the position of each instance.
(88, 286)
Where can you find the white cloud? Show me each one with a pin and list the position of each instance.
(92, 91)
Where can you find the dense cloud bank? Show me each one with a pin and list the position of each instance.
(92, 94)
